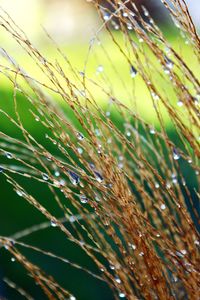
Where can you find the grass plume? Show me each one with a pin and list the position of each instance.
(119, 184)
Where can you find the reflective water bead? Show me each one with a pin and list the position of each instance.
(112, 267)
(19, 193)
(53, 223)
(100, 69)
(57, 173)
(118, 280)
(157, 185)
(80, 136)
(122, 295)
(37, 119)
(74, 178)
(72, 298)
(133, 72)
(1, 169)
(163, 206)
(80, 150)
(13, 259)
(9, 155)
(169, 63)
(83, 199)
(152, 131)
(176, 154)
(179, 103)
(98, 176)
(45, 176)
(106, 16)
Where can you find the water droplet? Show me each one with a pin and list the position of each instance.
(120, 165)
(80, 150)
(184, 252)
(196, 242)
(132, 246)
(141, 253)
(72, 298)
(169, 63)
(19, 193)
(176, 154)
(72, 219)
(37, 119)
(128, 133)
(112, 267)
(100, 69)
(98, 176)
(57, 173)
(163, 206)
(118, 280)
(108, 114)
(53, 223)
(106, 16)
(12, 259)
(74, 178)
(133, 72)
(125, 14)
(122, 295)
(80, 136)
(97, 132)
(8, 155)
(152, 131)
(45, 176)
(179, 103)
(1, 169)
(129, 26)
(157, 185)
(154, 96)
(83, 199)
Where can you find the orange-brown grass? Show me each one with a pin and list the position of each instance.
(123, 186)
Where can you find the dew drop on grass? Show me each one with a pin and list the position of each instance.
(74, 178)
(98, 176)
(80, 150)
(122, 295)
(45, 176)
(53, 223)
(106, 16)
(12, 259)
(152, 131)
(9, 155)
(163, 206)
(19, 193)
(37, 119)
(57, 173)
(72, 298)
(83, 199)
(80, 136)
(169, 63)
(100, 69)
(118, 280)
(112, 267)
(179, 103)
(133, 72)
(176, 154)
(1, 169)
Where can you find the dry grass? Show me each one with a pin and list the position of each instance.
(124, 191)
